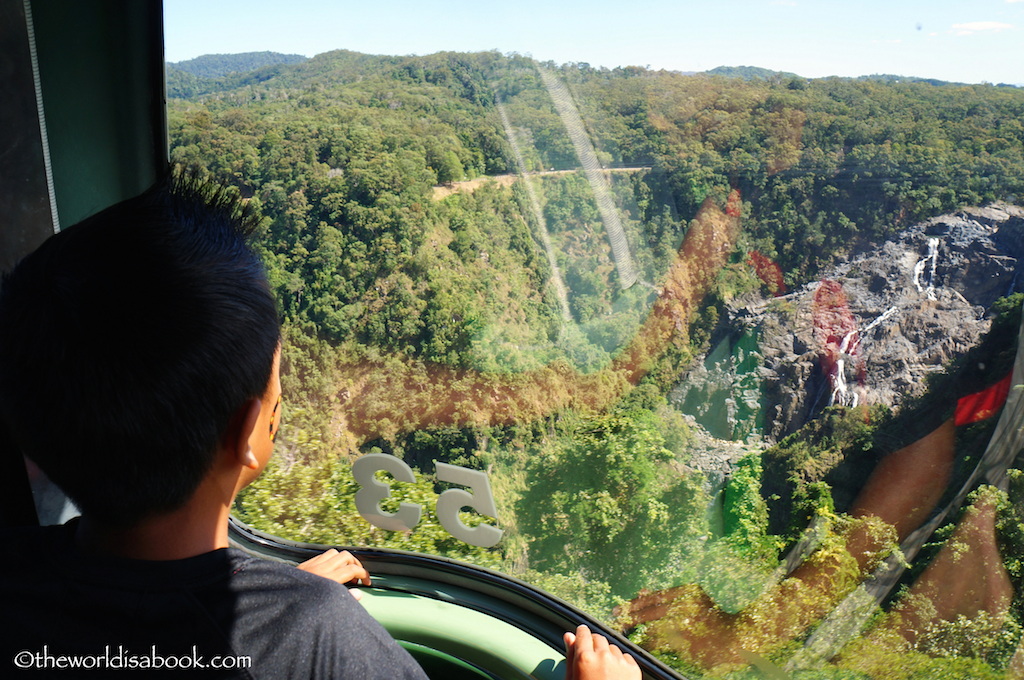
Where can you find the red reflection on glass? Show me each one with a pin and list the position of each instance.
(982, 405)
(835, 333)
(768, 270)
(733, 205)
(387, 396)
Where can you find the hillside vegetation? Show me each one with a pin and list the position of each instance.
(496, 330)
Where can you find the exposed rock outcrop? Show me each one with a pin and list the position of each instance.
(868, 332)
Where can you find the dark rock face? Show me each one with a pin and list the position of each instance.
(868, 332)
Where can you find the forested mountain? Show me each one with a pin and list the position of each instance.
(537, 325)
(220, 65)
(345, 147)
(219, 72)
(750, 73)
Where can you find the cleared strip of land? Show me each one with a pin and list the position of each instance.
(469, 186)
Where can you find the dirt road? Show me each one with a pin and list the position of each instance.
(445, 190)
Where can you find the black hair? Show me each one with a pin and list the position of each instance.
(129, 340)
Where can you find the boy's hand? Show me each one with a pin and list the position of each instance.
(342, 567)
(588, 656)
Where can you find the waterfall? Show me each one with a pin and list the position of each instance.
(840, 392)
(884, 317)
(850, 347)
(919, 269)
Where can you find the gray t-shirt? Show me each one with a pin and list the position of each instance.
(119, 615)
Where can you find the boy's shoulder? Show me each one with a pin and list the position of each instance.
(288, 622)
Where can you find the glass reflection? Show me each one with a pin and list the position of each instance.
(729, 363)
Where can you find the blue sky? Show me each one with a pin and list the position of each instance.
(961, 40)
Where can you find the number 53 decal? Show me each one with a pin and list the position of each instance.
(449, 503)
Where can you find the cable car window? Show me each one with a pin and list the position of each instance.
(51, 504)
(725, 356)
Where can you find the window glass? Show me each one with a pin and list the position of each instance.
(727, 359)
(52, 505)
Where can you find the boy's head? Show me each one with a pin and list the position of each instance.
(128, 342)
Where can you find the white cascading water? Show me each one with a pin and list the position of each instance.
(928, 287)
(924, 281)
(884, 317)
(850, 347)
(841, 393)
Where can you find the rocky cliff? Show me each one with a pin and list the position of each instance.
(867, 332)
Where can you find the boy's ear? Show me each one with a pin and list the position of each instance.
(236, 439)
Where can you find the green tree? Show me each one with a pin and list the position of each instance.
(601, 501)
